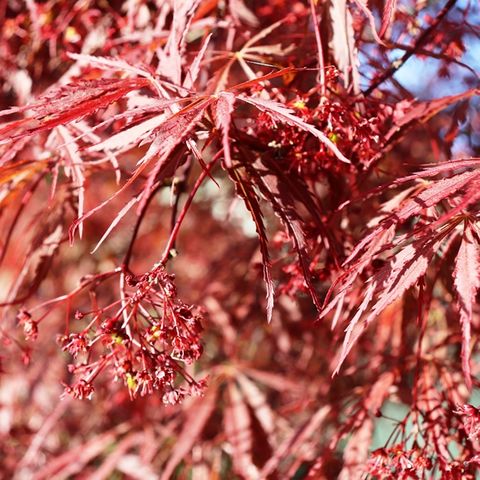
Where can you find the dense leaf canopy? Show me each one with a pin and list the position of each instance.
(239, 239)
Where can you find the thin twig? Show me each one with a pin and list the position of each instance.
(321, 63)
(141, 216)
(420, 41)
(439, 56)
(186, 206)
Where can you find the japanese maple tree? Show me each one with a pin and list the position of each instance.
(239, 239)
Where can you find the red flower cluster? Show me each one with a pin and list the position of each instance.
(143, 341)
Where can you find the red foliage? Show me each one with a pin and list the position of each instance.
(239, 239)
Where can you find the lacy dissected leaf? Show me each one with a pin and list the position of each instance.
(238, 430)
(429, 196)
(467, 281)
(249, 50)
(38, 260)
(242, 14)
(438, 168)
(406, 267)
(284, 72)
(363, 5)
(298, 189)
(145, 115)
(69, 103)
(170, 58)
(291, 445)
(199, 412)
(73, 168)
(428, 171)
(282, 202)
(372, 247)
(379, 392)
(78, 456)
(259, 404)
(194, 69)
(110, 64)
(130, 136)
(175, 129)
(382, 236)
(245, 191)
(223, 116)
(356, 452)
(166, 137)
(387, 17)
(389, 284)
(343, 42)
(284, 114)
(416, 252)
(424, 111)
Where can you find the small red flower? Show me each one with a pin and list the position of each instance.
(471, 420)
(30, 326)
